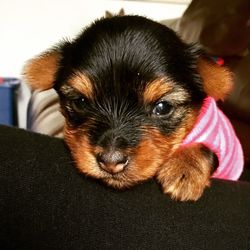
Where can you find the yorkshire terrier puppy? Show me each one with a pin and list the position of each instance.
(140, 103)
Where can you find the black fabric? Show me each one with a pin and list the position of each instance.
(46, 204)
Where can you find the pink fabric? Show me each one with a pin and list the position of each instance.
(214, 130)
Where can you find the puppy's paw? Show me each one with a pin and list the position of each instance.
(185, 176)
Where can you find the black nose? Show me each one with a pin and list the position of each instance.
(112, 161)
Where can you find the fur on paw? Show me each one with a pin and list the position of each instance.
(186, 174)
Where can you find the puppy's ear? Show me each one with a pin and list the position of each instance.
(217, 80)
(40, 71)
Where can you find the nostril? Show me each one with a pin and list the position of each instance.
(100, 158)
(124, 161)
(112, 161)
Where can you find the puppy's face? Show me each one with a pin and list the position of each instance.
(130, 91)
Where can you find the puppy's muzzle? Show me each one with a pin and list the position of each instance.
(112, 161)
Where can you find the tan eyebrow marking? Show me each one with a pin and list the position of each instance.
(156, 89)
(82, 83)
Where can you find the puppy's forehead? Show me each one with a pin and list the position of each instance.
(124, 54)
(148, 93)
(124, 46)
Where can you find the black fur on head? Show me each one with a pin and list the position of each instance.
(121, 56)
(130, 51)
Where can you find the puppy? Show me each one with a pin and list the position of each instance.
(136, 101)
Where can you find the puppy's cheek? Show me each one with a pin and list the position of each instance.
(82, 152)
(156, 148)
(148, 157)
(153, 151)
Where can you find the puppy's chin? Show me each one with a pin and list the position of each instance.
(129, 177)
(121, 180)
(118, 183)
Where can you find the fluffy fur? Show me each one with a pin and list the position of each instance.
(131, 91)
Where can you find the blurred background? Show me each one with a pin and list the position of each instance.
(28, 27)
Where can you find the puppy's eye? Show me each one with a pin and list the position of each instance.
(162, 109)
(78, 104)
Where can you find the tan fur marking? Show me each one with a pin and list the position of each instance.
(83, 84)
(186, 174)
(155, 149)
(81, 150)
(217, 80)
(40, 71)
(155, 90)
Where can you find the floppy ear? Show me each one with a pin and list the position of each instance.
(217, 80)
(40, 71)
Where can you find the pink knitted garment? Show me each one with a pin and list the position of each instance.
(214, 130)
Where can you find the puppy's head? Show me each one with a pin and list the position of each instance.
(130, 91)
